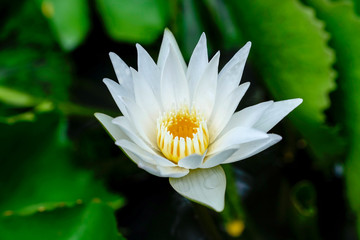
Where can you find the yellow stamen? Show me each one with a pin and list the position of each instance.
(182, 133)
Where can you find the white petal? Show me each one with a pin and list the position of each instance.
(144, 155)
(149, 70)
(205, 186)
(275, 113)
(205, 93)
(234, 137)
(159, 171)
(156, 170)
(197, 65)
(122, 71)
(117, 91)
(247, 117)
(145, 126)
(229, 79)
(239, 57)
(174, 86)
(173, 172)
(145, 97)
(249, 149)
(131, 133)
(221, 115)
(167, 43)
(192, 161)
(113, 130)
(230, 75)
(216, 159)
(150, 168)
(135, 149)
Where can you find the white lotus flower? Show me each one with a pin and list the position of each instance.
(179, 122)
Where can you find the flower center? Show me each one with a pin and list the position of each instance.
(182, 133)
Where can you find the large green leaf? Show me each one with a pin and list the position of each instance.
(69, 20)
(30, 61)
(36, 173)
(357, 6)
(134, 20)
(290, 50)
(94, 221)
(344, 26)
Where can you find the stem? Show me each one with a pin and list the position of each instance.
(69, 108)
(207, 222)
(17, 98)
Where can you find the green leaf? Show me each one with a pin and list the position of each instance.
(30, 63)
(225, 22)
(291, 53)
(39, 176)
(69, 19)
(16, 98)
(343, 25)
(140, 21)
(190, 24)
(83, 222)
(357, 6)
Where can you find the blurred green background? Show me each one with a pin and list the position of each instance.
(62, 177)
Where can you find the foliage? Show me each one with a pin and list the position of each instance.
(283, 58)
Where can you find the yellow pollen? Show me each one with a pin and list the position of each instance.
(182, 133)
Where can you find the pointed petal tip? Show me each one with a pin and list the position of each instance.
(97, 115)
(109, 83)
(104, 119)
(245, 85)
(246, 48)
(106, 122)
(275, 137)
(168, 33)
(295, 102)
(113, 55)
(139, 47)
(202, 38)
(101, 117)
(299, 100)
